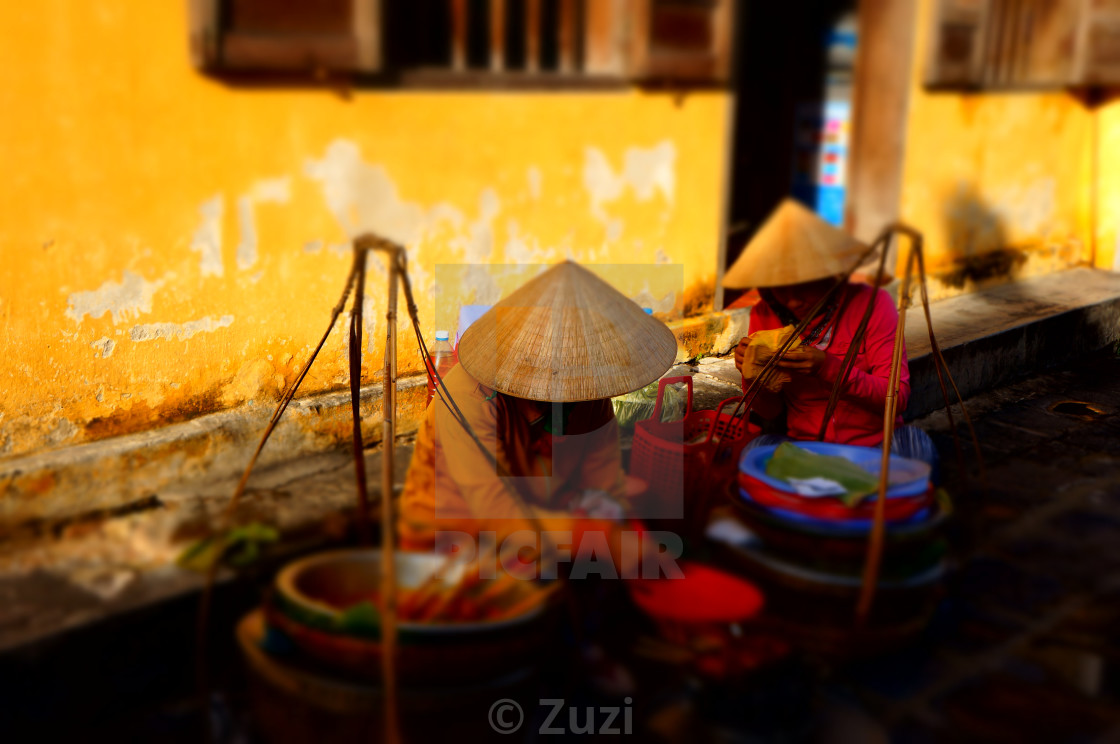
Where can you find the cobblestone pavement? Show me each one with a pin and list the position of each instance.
(1025, 645)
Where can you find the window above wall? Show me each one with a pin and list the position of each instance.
(467, 42)
(1024, 44)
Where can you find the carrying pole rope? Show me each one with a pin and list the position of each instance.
(875, 544)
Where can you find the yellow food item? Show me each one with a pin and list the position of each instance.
(766, 345)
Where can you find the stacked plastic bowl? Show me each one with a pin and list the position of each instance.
(808, 552)
(317, 607)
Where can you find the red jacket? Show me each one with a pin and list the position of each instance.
(858, 418)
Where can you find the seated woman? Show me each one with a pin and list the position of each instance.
(793, 261)
(534, 379)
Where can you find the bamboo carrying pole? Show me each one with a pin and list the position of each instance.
(914, 260)
(875, 546)
(388, 593)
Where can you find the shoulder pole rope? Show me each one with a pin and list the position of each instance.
(876, 542)
(547, 550)
(747, 399)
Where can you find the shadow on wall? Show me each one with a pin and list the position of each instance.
(978, 250)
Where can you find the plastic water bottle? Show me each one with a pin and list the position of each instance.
(443, 359)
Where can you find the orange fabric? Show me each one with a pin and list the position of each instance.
(451, 485)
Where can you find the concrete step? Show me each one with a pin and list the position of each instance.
(1007, 332)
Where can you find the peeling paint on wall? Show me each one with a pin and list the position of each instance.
(126, 299)
(517, 250)
(443, 173)
(208, 236)
(645, 170)
(247, 247)
(272, 190)
(533, 176)
(444, 212)
(361, 196)
(480, 245)
(63, 431)
(645, 298)
(267, 190)
(104, 347)
(180, 331)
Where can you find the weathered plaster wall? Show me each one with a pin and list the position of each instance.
(999, 183)
(173, 244)
(1108, 181)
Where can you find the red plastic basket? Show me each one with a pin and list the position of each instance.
(675, 456)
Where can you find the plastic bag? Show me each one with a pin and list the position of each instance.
(639, 405)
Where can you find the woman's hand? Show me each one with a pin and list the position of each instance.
(745, 354)
(806, 360)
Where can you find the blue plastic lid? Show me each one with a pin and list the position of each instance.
(442, 336)
(908, 477)
(647, 310)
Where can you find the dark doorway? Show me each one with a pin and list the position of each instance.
(791, 59)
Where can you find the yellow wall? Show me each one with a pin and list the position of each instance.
(1108, 180)
(132, 293)
(994, 171)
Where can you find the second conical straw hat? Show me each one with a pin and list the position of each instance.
(794, 245)
(566, 336)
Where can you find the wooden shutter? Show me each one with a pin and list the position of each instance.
(204, 28)
(687, 40)
(1098, 53)
(286, 35)
(606, 33)
(1025, 43)
(651, 40)
(1047, 43)
(956, 50)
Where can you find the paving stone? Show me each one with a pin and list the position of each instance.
(1092, 628)
(904, 673)
(968, 628)
(913, 731)
(1104, 494)
(1023, 703)
(997, 441)
(1080, 662)
(1089, 525)
(1033, 416)
(994, 583)
(1080, 566)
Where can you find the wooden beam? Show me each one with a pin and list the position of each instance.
(244, 51)
(532, 35)
(497, 35)
(566, 36)
(604, 37)
(723, 27)
(205, 33)
(459, 35)
(366, 17)
(639, 34)
(881, 93)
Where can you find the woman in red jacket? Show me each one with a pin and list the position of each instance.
(794, 261)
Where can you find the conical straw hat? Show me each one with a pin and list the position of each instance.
(794, 245)
(567, 336)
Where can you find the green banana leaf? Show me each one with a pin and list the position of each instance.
(239, 547)
(791, 461)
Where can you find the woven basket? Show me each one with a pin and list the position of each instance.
(685, 457)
